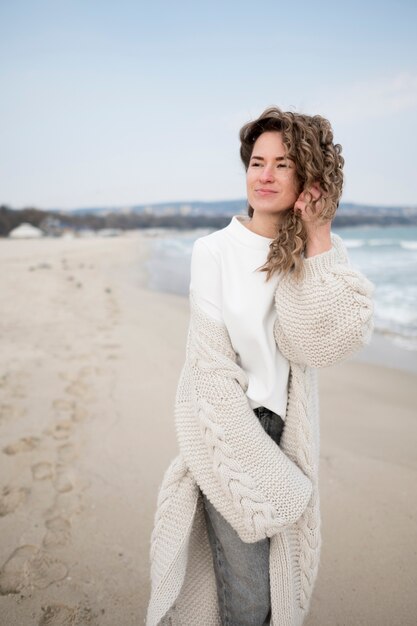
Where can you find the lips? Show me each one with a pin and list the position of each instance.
(265, 192)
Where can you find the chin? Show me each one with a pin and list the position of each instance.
(267, 209)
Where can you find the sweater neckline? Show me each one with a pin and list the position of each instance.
(239, 231)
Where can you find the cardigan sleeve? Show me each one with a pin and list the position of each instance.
(327, 316)
(224, 444)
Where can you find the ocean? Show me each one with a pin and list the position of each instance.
(387, 255)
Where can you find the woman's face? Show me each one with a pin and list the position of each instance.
(271, 180)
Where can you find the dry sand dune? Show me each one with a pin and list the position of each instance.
(89, 364)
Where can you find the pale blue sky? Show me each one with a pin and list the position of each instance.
(119, 103)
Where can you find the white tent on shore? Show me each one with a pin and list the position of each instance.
(26, 231)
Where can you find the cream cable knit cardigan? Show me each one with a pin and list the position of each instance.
(261, 489)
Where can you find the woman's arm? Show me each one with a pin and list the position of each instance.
(328, 315)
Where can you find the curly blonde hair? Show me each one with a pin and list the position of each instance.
(309, 144)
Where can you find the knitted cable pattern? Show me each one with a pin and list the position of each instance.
(250, 503)
(265, 496)
(170, 483)
(303, 387)
(176, 505)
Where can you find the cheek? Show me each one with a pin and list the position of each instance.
(249, 185)
(249, 178)
(292, 189)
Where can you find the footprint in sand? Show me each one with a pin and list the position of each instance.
(64, 481)
(60, 404)
(68, 377)
(42, 470)
(25, 444)
(13, 383)
(60, 430)
(13, 377)
(62, 615)
(58, 532)
(28, 565)
(79, 414)
(44, 569)
(8, 411)
(77, 388)
(11, 498)
(13, 574)
(67, 453)
(66, 505)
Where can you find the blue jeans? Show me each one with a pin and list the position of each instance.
(242, 569)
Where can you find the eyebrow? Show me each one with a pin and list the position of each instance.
(280, 158)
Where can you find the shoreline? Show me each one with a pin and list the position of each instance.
(383, 352)
(89, 369)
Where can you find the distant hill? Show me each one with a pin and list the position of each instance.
(190, 213)
(232, 207)
(195, 207)
(183, 215)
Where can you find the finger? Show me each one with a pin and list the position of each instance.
(300, 205)
(316, 191)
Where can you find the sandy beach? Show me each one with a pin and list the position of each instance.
(89, 364)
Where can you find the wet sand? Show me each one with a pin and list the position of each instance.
(89, 365)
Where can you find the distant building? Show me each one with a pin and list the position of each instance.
(185, 209)
(52, 226)
(26, 231)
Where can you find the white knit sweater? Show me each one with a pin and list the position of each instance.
(225, 283)
(262, 490)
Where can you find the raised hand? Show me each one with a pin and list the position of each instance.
(318, 231)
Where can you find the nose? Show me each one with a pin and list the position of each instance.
(267, 173)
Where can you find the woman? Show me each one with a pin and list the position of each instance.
(237, 529)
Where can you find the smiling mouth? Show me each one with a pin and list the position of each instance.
(265, 191)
